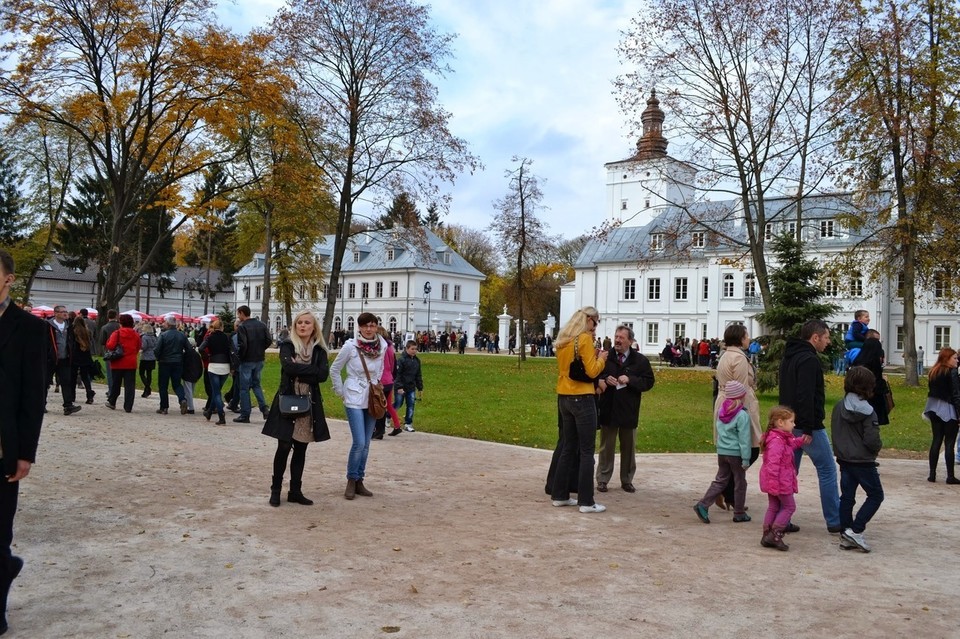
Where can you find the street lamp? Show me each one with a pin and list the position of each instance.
(246, 292)
(426, 300)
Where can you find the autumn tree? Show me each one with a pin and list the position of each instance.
(900, 132)
(49, 156)
(746, 84)
(520, 233)
(148, 88)
(212, 243)
(370, 113)
(285, 207)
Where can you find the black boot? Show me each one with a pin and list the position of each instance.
(7, 574)
(222, 420)
(275, 490)
(296, 496)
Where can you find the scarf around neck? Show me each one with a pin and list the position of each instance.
(370, 348)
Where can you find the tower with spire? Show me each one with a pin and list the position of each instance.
(640, 186)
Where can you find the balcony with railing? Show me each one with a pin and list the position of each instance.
(753, 303)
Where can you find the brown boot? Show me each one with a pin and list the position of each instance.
(777, 534)
(767, 540)
(351, 490)
(361, 489)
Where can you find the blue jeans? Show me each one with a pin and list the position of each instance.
(852, 477)
(168, 373)
(249, 379)
(216, 388)
(361, 429)
(410, 398)
(822, 457)
(578, 431)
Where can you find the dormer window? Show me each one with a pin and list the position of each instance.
(656, 242)
(356, 257)
(699, 239)
(826, 228)
(623, 205)
(391, 254)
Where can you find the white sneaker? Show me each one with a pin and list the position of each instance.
(409, 428)
(596, 508)
(856, 539)
(564, 502)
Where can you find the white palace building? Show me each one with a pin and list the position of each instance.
(698, 291)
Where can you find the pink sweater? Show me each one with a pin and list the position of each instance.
(389, 360)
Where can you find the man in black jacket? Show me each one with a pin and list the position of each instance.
(802, 390)
(253, 339)
(63, 334)
(625, 376)
(24, 346)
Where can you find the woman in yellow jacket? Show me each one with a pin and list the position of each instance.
(577, 409)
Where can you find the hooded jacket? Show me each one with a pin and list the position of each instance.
(778, 476)
(801, 384)
(856, 434)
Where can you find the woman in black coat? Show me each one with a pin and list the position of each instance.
(303, 366)
(871, 357)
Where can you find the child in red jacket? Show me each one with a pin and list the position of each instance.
(778, 477)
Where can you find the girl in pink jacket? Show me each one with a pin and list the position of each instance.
(778, 477)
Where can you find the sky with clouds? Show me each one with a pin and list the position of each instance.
(531, 79)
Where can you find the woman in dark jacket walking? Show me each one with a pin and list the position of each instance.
(303, 366)
(217, 346)
(942, 408)
(82, 346)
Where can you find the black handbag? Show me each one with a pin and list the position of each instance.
(115, 353)
(294, 405)
(577, 370)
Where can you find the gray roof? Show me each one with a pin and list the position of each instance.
(408, 254)
(626, 244)
(52, 269)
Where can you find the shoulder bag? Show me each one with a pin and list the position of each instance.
(376, 400)
(577, 370)
(293, 405)
(113, 353)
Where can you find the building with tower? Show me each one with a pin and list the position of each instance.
(669, 277)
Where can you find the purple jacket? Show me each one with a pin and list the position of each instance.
(777, 474)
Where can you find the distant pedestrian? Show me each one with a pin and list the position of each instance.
(407, 385)
(942, 409)
(125, 368)
(148, 360)
(170, 348)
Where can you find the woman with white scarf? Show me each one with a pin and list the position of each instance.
(355, 393)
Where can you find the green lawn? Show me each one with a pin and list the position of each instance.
(487, 397)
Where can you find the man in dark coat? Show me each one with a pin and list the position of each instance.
(626, 375)
(802, 390)
(24, 345)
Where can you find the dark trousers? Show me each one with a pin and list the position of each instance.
(68, 385)
(728, 467)
(85, 375)
(853, 476)
(127, 377)
(146, 373)
(380, 426)
(578, 419)
(9, 492)
(168, 373)
(728, 491)
(296, 464)
(944, 434)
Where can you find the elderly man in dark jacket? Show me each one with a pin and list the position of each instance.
(625, 376)
(24, 346)
(802, 390)
(170, 349)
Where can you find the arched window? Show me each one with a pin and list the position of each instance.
(393, 324)
(337, 324)
(350, 324)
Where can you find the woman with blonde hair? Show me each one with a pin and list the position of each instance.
(303, 366)
(577, 409)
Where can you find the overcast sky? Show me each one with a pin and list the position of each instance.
(531, 78)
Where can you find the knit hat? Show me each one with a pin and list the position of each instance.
(734, 389)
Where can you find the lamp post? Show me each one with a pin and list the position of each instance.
(426, 300)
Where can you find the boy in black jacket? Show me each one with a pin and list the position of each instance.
(407, 380)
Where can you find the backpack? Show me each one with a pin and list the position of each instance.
(192, 366)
